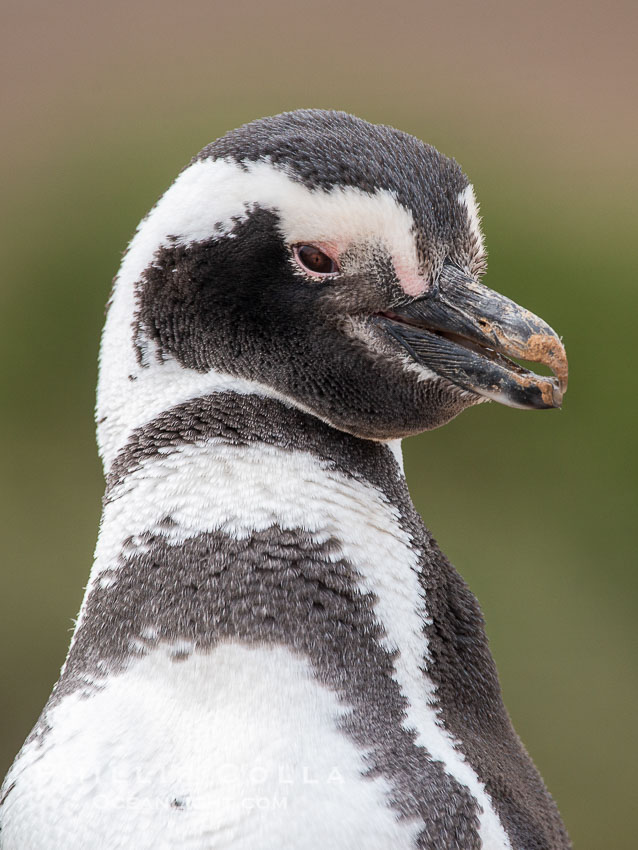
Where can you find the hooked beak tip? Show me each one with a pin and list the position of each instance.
(549, 350)
(545, 347)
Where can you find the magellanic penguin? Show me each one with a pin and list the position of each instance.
(272, 652)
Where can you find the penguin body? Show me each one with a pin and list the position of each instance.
(272, 651)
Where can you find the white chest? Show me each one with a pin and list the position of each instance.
(239, 748)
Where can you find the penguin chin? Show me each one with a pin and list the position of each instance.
(432, 404)
(446, 401)
(383, 394)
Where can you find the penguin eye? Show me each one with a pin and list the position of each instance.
(314, 260)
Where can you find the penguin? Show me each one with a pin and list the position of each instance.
(272, 651)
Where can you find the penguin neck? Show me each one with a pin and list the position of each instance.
(227, 498)
(204, 433)
(237, 464)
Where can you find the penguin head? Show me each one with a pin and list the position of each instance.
(329, 262)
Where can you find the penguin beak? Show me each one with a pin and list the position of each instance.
(466, 333)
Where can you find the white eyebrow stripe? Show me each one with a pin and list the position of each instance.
(211, 196)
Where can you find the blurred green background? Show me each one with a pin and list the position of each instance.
(102, 104)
